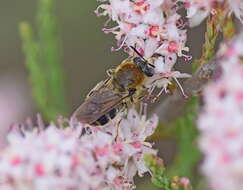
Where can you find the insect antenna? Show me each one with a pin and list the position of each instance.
(140, 55)
(137, 52)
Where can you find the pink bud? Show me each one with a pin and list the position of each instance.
(102, 151)
(185, 182)
(75, 161)
(137, 144)
(172, 47)
(39, 169)
(187, 4)
(153, 31)
(239, 96)
(15, 161)
(141, 7)
(118, 148)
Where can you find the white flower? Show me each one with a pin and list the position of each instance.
(221, 122)
(198, 10)
(78, 157)
(237, 7)
(154, 28)
(154, 17)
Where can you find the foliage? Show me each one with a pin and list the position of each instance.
(157, 168)
(186, 132)
(43, 61)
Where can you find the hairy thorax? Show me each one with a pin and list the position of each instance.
(127, 76)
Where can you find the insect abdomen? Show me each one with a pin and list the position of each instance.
(106, 118)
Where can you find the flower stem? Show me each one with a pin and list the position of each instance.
(217, 22)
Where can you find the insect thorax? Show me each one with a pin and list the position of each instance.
(128, 75)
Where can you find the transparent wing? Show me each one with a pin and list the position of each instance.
(98, 103)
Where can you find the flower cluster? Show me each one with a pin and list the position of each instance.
(221, 122)
(154, 28)
(78, 157)
(198, 10)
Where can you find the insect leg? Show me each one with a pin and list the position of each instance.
(124, 107)
(96, 88)
(143, 108)
(158, 95)
(110, 72)
(131, 91)
(131, 99)
(117, 129)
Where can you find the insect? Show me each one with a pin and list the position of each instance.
(125, 84)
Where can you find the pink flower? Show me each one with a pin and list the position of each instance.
(14, 104)
(77, 157)
(153, 28)
(221, 122)
(237, 8)
(198, 10)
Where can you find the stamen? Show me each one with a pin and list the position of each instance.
(108, 30)
(178, 83)
(119, 47)
(158, 95)
(187, 57)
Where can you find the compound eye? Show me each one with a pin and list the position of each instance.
(137, 60)
(149, 71)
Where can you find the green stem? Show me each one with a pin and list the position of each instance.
(51, 56)
(43, 57)
(220, 21)
(31, 50)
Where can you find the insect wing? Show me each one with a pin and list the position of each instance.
(99, 103)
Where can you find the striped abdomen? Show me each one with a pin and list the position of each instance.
(106, 118)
